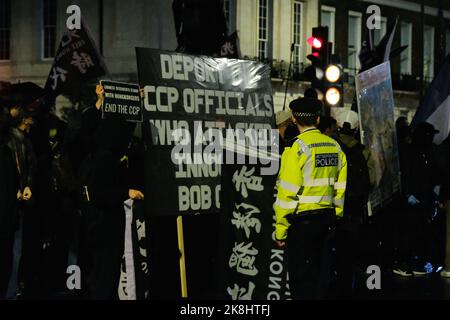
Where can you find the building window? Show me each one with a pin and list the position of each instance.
(297, 31)
(230, 14)
(354, 41)
(378, 34)
(327, 18)
(405, 40)
(447, 43)
(48, 29)
(264, 34)
(5, 29)
(428, 53)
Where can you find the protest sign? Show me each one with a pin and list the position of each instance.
(376, 112)
(123, 100)
(194, 107)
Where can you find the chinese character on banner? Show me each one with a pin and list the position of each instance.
(82, 62)
(230, 48)
(140, 226)
(238, 293)
(122, 289)
(68, 37)
(244, 180)
(243, 258)
(227, 49)
(78, 57)
(55, 74)
(243, 218)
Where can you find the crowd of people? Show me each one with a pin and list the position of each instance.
(418, 212)
(63, 185)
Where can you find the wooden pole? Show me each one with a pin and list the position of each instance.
(184, 293)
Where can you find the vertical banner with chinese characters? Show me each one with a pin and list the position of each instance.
(253, 267)
(134, 275)
(77, 61)
(193, 105)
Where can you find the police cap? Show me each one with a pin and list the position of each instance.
(306, 107)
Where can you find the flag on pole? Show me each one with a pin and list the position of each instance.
(373, 54)
(76, 61)
(200, 26)
(435, 107)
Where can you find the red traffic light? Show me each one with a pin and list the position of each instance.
(315, 42)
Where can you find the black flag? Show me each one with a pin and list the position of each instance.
(373, 54)
(200, 26)
(76, 61)
(230, 48)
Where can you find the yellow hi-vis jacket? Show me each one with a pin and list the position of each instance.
(312, 176)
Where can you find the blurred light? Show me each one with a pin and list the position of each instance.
(314, 42)
(332, 96)
(317, 43)
(315, 54)
(332, 73)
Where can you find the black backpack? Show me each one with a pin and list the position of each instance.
(358, 180)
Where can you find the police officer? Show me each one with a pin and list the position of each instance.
(310, 195)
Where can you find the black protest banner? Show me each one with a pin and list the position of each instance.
(77, 61)
(193, 104)
(123, 100)
(251, 267)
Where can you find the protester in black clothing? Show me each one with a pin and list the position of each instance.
(421, 179)
(8, 205)
(359, 182)
(22, 148)
(402, 263)
(26, 162)
(79, 140)
(106, 186)
(328, 126)
(21, 104)
(106, 183)
(444, 198)
(53, 210)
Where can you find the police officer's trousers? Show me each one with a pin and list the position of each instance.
(309, 249)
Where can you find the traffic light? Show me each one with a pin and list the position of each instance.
(319, 44)
(325, 72)
(333, 84)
